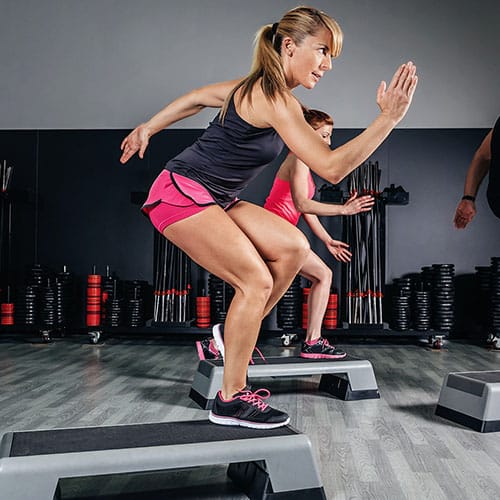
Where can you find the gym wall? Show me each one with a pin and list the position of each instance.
(109, 64)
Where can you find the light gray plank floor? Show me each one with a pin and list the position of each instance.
(392, 448)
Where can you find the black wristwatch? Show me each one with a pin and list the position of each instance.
(468, 197)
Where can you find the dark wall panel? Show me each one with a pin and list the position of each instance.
(19, 149)
(84, 215)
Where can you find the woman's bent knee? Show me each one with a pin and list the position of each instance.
(300, 247)
(327, 275)
(258, 284)
(323, 276)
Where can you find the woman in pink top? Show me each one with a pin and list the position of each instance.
(290, 197)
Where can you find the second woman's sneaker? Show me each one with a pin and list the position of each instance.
(206, 350)
(321, 349)
(218, 334)
(247, 409)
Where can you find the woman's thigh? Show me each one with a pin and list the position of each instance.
(272, 236)
(216, 243)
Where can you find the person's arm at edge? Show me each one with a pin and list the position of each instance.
(478, 168)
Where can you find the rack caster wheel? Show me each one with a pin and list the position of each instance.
(437, 341)
(95, 335)
(45, 336)
(288, 338)
(493, 341)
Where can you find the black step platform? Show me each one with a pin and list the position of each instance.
(32, 462)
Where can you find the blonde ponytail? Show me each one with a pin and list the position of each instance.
(266, 63)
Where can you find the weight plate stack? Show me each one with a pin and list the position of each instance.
(47, 306)
(421, 310)
(107, 285)
(402, 286)
(443, 296)
(144, 291)
(400, 311)
(112, 290)
(427, 275)
(221, 295)
(482, 313)
(400, 304)
(26, 306)
(65, 298)
(134, 313)
(135, 292)
(289, 307)
(37, 275)
(115, 309)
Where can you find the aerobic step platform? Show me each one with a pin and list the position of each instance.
(266, 464)
(349, 378)
(471, 399)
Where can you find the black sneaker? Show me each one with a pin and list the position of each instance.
(206, 350)
(247, 409)
(321, 349)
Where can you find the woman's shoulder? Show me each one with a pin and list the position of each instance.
(263, 109)
(293, 166)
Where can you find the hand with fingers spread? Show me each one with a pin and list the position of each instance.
(395, 99)
(136, 141)
(339, 250)
(355, 205)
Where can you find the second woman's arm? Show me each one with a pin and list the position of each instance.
(299, 187)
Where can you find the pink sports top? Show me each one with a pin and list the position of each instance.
(280, 199)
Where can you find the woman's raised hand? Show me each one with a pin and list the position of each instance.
(136, 141)
(395, 99)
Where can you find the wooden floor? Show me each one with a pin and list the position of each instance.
(391, 448)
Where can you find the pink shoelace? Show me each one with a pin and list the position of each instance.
(255, 399)
(322, 340)
(214, 350)
(260, 354)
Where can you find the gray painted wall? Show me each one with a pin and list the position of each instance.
(112, 63)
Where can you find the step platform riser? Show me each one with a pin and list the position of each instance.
(32, 462)
(349, 379)
(471, 399)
